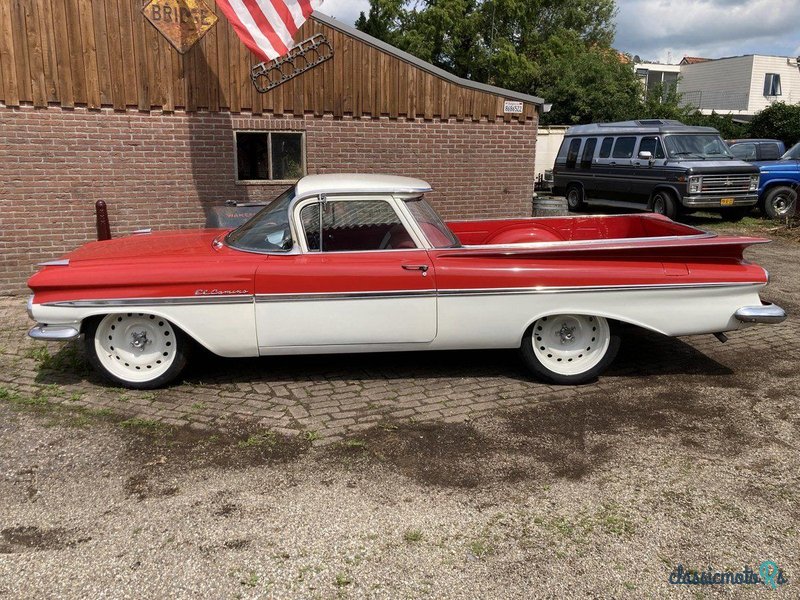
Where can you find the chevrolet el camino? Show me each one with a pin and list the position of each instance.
(362, 263)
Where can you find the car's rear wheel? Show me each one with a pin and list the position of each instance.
(780, 202)
(136, 350)
(569, 349)
(663, 203)
(575, 200)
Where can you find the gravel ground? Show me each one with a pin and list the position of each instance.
(601, 493)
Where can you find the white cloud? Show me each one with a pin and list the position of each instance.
(346, 11)
(656, 29)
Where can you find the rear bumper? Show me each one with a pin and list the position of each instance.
(766, 313)
(713, 201)
(54, 333)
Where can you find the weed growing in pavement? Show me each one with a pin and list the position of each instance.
(359, 444)
(310, 435)
(68, 358)
(412, 535)
(481, 548)
(342, 580)
(258, 440)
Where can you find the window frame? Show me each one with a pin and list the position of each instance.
(610, 138)
(268, 133)
(772, 82)
(302, 240)
(633, 147)
(590, 144)
(658, 146)
(573, 161)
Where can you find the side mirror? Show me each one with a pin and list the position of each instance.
(645, 155)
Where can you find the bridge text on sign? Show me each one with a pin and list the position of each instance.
(182, 22)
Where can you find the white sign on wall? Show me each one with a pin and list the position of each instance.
(512, 106)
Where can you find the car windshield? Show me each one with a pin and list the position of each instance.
(792, 153)
(438, 234)
(268, 230)
(697, 147)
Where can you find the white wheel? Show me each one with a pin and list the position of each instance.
(136, 349)
(569, 348)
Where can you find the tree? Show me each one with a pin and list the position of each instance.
(778, 121)
(557, 49)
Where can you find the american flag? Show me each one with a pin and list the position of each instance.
(267, 27)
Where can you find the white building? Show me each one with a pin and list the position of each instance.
(738, 85)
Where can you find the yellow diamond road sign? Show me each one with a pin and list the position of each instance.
(182, 22)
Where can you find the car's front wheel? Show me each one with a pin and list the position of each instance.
(569, 349)
(136, 350)
(663, 203)
(780, 202)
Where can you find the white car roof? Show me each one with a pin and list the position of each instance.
(360, 183)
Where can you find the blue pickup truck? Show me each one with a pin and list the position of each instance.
(779, 184)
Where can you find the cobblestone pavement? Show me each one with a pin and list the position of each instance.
(330, 397)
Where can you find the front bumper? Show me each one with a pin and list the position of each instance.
(714, 201)
(766, 313)
(54, 333)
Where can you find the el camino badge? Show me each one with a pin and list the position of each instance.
(216, 292)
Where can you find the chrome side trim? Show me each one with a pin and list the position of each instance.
(174, 301)
(311, 297)
(386, 294)
(143, 231)
(590, 288)
(54, 333)
(766, 313)
(62, 262)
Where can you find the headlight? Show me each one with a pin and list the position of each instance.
(753, 182)
(695, 184)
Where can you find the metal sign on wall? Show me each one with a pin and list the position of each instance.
(182, 22)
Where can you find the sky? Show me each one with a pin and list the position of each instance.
(668, 30)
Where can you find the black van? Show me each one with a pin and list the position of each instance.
(662, 165)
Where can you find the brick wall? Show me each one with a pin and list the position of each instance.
(165, 170)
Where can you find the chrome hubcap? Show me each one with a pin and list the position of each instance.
(570, 344)
(135, 346)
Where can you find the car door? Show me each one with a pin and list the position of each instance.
(360, 278)
(648, 173)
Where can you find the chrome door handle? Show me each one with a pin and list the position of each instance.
(423, 268)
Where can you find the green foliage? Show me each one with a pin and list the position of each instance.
(779, 121)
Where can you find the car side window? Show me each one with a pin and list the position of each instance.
(652, 145)
(769, 151)
(605, 147)
(354, 225)
(572, 153)
(744, 151)
(623, 148)
(588, 153)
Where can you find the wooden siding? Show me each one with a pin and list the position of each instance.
(104, 53)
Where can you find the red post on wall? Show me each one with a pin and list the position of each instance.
(103, 225)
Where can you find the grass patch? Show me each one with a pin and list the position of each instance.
(69, 358)
(412, 536)
(310, 435)
(259, 440)
(342, 580)
(358, 444)
(481, 548)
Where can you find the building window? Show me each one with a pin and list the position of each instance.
(269, 156)
(772, 84)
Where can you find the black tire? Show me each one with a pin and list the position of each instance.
(780, 202)
(663, 203)
(735, 214)
(181, 347)
(542, 372)
(575, 199)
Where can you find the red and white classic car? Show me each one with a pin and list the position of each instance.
(362, 263)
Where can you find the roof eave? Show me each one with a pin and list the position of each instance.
(433, 70)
